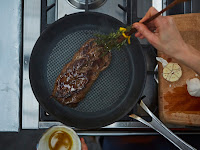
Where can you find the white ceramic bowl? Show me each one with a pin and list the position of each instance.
(44, 141)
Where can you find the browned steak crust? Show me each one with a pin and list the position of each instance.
(79, 74)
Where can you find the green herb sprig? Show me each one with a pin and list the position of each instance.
(111, 41)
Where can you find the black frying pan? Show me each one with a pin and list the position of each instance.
(116, 90)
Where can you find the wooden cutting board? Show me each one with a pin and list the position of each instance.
(176, 106)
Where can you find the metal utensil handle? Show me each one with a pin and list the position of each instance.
(163, 130)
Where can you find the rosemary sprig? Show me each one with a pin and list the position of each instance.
(111, 41)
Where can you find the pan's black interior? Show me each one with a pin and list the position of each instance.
(115, 92)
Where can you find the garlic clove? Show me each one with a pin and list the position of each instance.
(193, 87)
(178, 73)
(170, 66)
(173, 78)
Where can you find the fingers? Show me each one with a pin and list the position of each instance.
(139, 35)
(154, 23)
(83, 144)
(144, 32)
(152, 11)
(162, 33)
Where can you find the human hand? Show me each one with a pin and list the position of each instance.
(162, 33)
(83, 144)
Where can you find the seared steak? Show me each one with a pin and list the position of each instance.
(79, 74)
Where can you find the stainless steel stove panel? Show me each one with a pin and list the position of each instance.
(30, 106)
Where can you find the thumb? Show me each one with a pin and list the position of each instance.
(142, 29)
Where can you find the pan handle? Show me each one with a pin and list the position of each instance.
(157, 125)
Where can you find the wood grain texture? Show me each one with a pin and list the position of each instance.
(176, 106)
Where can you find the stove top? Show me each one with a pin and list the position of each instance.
(119, 10)
(127, 11)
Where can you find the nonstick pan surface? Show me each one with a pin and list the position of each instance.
(113, 94)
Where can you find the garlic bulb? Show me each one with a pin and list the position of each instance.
(193, 87)
(172, 72)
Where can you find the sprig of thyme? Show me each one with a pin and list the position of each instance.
(110, 41)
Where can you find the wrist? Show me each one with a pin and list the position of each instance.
(189, 57)
(182, 52)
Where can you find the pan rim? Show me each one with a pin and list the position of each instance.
(43, 105)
